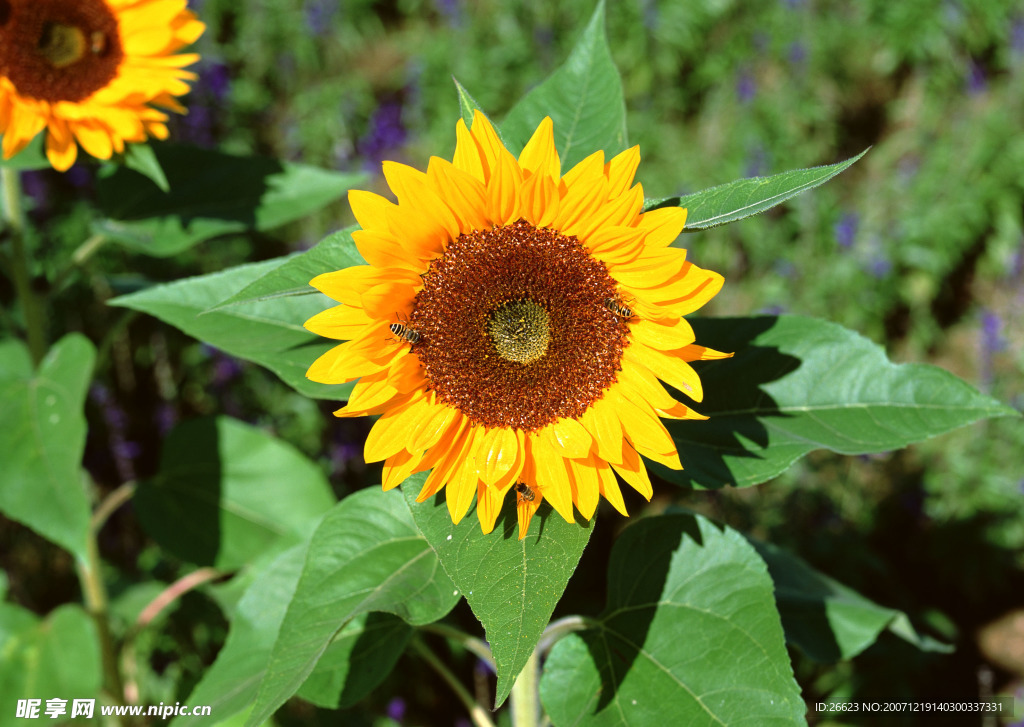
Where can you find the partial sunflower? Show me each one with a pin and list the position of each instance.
(512, 326)
(91, 71)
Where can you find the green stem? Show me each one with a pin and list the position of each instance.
(524, 697)
(472, 644)
(95, 594)
(31, 305)
(476, 713)
(562, 628)
(84, 251)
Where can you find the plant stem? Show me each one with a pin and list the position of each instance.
(82, 253)
(524, 697)
(561, 628)
(477, 713)
(110, 504)
(95, 594)
(477, 646)
(31, 306)
(153, 609)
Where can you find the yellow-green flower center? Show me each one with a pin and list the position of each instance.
(521, 331)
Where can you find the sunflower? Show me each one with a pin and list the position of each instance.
(91, 71)
(512, 326)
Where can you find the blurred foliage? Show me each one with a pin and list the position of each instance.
(920, 247)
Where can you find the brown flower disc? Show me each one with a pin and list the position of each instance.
(58, 50)
(514, 327)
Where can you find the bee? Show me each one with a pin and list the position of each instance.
(97, 42)
(616, 306)
(404, 333)
(525, 494)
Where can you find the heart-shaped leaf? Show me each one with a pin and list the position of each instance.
(690, 636)
(42, 436)
(512, 585)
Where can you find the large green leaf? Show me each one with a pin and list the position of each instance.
(583, 98)
(512, 585)
(42, 438)
(211, 194)
(798, 384)
(267, 332)
(366, 555)
(225, 492)
(690, 636)
(334, 252)
(746, 197)
(58, 657)
(827, 620)
(362, 654)
(230, 685)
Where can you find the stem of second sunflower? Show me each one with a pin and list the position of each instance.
(31, 304)
(525, 698)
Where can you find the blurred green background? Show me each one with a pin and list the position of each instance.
(919, 247)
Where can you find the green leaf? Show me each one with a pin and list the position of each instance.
(690, 636)
(361, 656)
(42, 437)
(31, 157)
(56, 657)
(230, 685)
(798, 384)
(267, 332)
(583, 98)
(142, 159)
(211, 194)
(512, 585)
(467, 105)
(335, 252)
(366, 555)
(746, 197)
(225, 492)
(827, 620)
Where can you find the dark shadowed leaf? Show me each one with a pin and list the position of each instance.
(225, 492)
(512, 585)
(690, 636)
(362, 654)
(798, 384)
(366, 555)
(211, 194)
(746, 197)
(42, 437)
(267, 332)
(583, 98)
(827, 620)
(143, 160)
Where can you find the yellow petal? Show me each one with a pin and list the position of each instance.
(586, 492)
(553, 478)
(602, 424)
(394, 428)
(632, 470)
(570, 437)
(668, 367)
(540, 155)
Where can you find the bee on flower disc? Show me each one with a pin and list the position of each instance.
(404, 333)
(616, 306)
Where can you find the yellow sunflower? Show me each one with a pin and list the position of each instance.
(512, 326)
(91, 71)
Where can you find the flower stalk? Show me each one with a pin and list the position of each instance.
(31, 304)
(525, 697)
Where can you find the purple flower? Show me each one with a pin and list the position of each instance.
(846, 230)
(650, 12)
(319, 15)
(396, 709)
(116, 419)
(976, 82)
(386, 133)
(757, 161)
(746, 86)
(992, 339)
(1017, 36)
(451, 11)
(797, 54)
